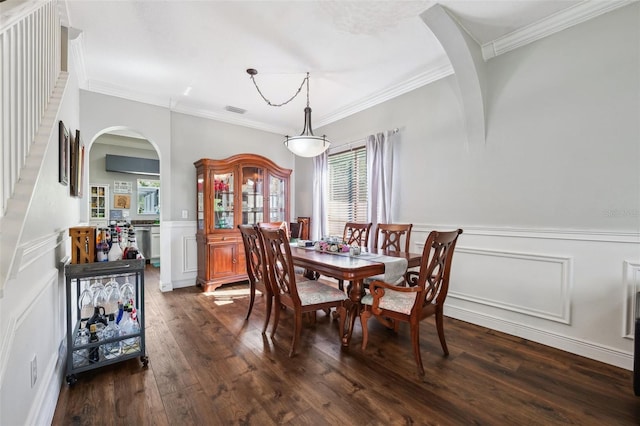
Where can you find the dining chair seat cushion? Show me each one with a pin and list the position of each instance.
(312, 292)
(393, 301)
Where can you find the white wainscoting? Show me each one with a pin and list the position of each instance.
(190, 254)
(32, 332)
(632, 285)
(538, 286)
(184, 253)
(573, 290)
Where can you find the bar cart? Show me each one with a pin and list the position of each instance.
(88, 295)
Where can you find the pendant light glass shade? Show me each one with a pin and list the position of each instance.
(307, 145)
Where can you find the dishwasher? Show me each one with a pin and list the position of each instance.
(143, 238)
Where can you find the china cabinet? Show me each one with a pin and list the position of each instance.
(243, 189)
(98, 203)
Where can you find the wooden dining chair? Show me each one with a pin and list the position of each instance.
(389, 236)
(256, 270)
(424, 297)
(355, 233)
(276, 225)
(294, 291)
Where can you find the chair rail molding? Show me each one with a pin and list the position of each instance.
(539, 233)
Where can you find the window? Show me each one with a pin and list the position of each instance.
(347, 189)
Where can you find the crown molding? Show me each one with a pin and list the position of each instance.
(562, 20)
(413, 83)
(224, 117)
(164, 102)
(121, 92)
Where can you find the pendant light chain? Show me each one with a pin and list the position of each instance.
(253, 72)
(306, 144)
(307, 90)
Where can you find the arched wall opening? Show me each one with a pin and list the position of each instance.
(124, 199)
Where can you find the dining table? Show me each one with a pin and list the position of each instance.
(354, 268)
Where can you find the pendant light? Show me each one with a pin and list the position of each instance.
(307, 144)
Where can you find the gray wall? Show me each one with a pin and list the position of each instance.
(194, 138)
(550, 204)
(562, 148)
(120, 145)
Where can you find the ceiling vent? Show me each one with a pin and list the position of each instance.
(235, 109)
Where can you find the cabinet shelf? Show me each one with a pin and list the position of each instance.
(98, 202)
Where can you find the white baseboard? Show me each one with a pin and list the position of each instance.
(575, 346)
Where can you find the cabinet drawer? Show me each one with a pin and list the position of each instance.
(213, 239)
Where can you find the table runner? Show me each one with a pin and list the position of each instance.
(394, 267)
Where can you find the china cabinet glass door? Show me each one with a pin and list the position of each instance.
(252, 195)
(200, 192)
(223, 191)
(277, 199)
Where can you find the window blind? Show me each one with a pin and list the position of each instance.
(347, 189)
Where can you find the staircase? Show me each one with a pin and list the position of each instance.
(31, 88)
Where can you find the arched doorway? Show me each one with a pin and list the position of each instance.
(124, 186)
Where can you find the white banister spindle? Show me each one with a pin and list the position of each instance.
(3, 121)
(29, 71)
(21, 151)
(13, 59)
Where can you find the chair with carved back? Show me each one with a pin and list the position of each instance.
(424, 297)
(355, 233)
(390, 237)
(256, 269)
(293, 291)
(275, 225)
(286, 227)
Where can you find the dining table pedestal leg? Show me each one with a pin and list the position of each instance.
(352, 311)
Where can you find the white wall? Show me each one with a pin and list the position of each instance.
(32, 306)
(550, 204)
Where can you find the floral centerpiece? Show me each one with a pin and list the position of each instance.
(332, 246)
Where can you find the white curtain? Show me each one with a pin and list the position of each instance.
(320, 222)
(380, 177)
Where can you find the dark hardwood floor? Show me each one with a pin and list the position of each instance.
(208, 366)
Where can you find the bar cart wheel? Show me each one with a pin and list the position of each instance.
(71, 379)
(144, 360)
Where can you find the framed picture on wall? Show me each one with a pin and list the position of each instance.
(121, 201)
(73, 166)
(63, 154)
(76, 170)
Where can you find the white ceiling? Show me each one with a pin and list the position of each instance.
(358, 53)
